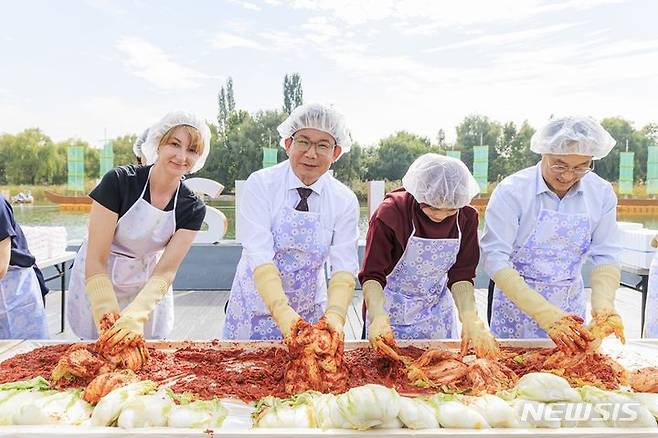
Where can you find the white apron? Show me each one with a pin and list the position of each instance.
(301, 247)
(22, 314)
(140, 237)
(651, 310)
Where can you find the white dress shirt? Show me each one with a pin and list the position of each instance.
(265, 193)
(514, 206)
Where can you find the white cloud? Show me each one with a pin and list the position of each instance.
(432, 14)
(500, 39)
(99, 110)
(226, 40)
(269, 41)
(151, 63)
(236, 26)
(247, 5)
(281, 41)
(108, 7)
(627, 47)
(320, 30)
(388, 64)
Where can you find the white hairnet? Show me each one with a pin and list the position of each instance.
(573, 136)
(320, 117)
(137, 146)
(155, 133)
(440, 181)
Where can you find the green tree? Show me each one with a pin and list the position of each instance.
(6, 141)
(216, 163)
(650, 131)
(394, 154)
(225, 104)
(513, 150)
(122, 147)
(234, 155)
(350, 166)
(477, 130)
(26, 150)
(60, 163)
(230, 99)
(293, 95)
(222, 109)
(50, 163)
(648, 137)
(92, 162)
(621, 130)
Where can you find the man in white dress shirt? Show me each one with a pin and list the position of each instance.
(295, 216)
(541, 224)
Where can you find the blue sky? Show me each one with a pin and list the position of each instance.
(86, 67)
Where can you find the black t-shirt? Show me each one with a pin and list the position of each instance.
(20, 254)
(120, 189)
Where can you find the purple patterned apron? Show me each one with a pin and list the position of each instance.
(550, 261)
(301, 247)
(418, 301)
(651, 310)
(22, 315)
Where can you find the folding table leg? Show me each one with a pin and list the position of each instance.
(643, 287)
(63, 289)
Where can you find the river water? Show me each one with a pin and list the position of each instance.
(76, 222)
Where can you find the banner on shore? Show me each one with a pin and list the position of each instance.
(652, 171)
(481, 167)
(106, 159)
(270, 157)
(626, 162)
(76, 168)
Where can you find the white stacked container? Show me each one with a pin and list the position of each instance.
(637, 251)
(45, 242)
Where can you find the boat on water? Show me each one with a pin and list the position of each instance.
(23, 198)
(57, 198)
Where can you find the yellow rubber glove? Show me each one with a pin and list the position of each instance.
(339, 297)
(380, 325)
(101, 296)
(270, 288)
(473, 329)
(654, 241)
(566, 330)
(605, 319)
(130, 326)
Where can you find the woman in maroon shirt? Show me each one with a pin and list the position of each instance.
(421, 254)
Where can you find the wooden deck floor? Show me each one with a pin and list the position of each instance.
(200, 314)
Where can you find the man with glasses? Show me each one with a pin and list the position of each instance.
(294, 217)
(540, 224)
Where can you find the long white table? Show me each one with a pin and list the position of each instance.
(636, 353)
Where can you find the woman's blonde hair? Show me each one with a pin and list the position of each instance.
(196, 142)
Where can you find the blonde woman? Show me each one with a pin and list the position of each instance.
(142, 223)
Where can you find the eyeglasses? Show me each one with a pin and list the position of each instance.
(322, 147)
(578, 171)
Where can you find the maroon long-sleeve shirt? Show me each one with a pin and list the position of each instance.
(392, 224)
